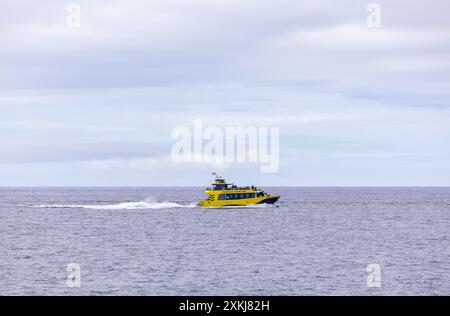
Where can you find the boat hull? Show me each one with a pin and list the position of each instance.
(212, 202)
(269, 200)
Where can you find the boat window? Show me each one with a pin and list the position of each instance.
(219, 186)
(236, 196)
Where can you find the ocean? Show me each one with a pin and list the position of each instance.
(155, 241)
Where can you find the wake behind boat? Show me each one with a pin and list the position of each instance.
(222, 194)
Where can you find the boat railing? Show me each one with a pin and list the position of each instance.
(243, 188)
(236, 188)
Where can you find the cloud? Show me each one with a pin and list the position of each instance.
(75, 152)
(98, 103)
(316, 45)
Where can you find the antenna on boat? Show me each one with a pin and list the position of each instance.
(216, 175)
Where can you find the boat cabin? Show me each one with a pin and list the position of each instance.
(220, 184)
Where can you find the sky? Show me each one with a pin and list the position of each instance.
(95, 105)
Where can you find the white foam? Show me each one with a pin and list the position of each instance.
(142, 205)
(249, 206)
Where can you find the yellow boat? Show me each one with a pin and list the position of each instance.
(222, 194)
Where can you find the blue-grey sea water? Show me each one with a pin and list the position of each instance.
(154, 241)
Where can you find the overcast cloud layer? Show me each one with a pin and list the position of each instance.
(96, 105)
